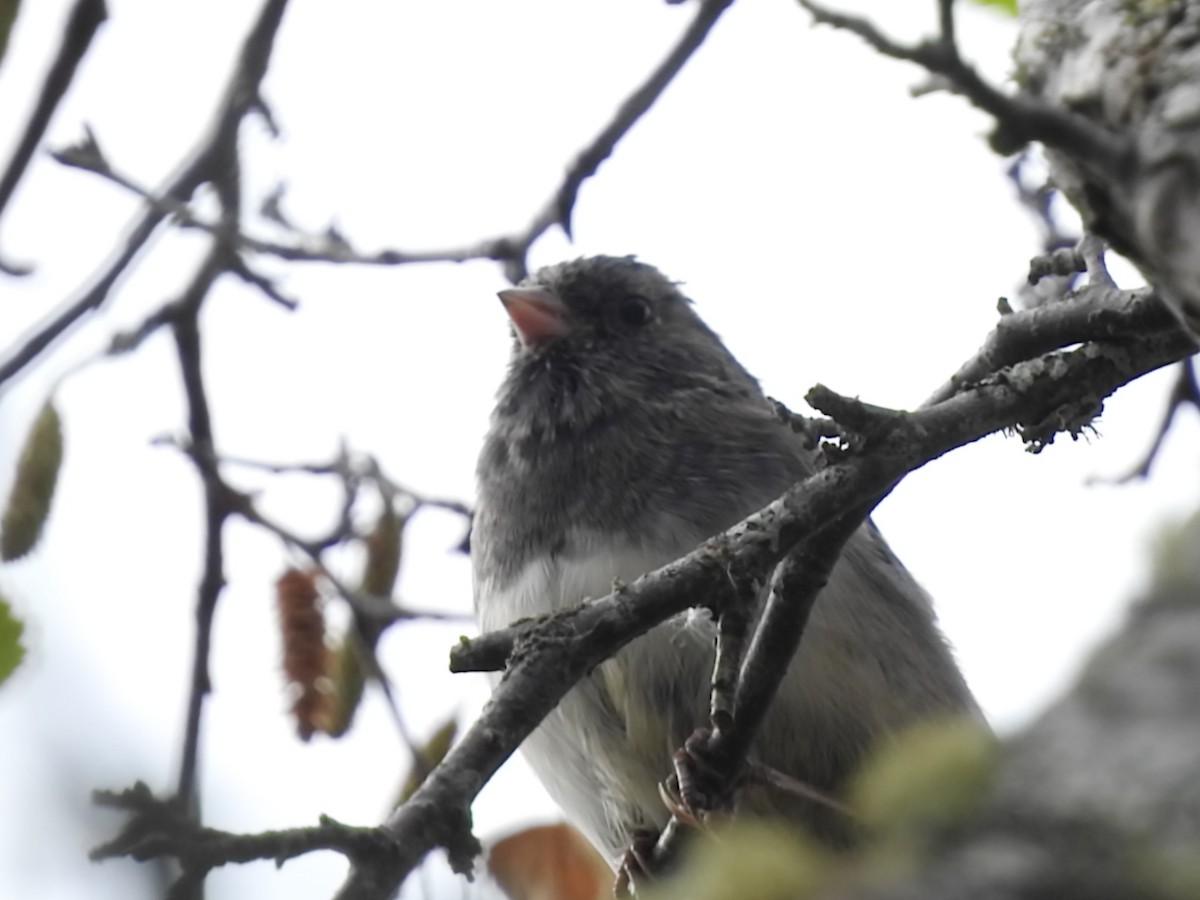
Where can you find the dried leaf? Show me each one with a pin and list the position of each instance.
(549, 862)
(33, 487)
(383, 554)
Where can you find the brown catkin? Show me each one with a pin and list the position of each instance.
(306, 658)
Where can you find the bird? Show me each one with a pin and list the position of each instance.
(625, 434)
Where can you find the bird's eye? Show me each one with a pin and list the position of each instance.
(635, 311)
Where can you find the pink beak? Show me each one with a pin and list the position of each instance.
(537, 314)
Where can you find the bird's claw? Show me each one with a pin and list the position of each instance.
(636, 865)
(697, 788)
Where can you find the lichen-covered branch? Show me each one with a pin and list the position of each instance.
(1110, 88)
(1128, 69)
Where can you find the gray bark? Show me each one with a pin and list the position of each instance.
(1100, 797)
(1132, 67)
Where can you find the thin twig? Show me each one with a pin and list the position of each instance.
(795, 585)
(562, 204)
(1184, 392)
(732, 627)
(1020, 119)
(216, 163)
(512, 250)
(1093, 313)
(186, 330)
(946, 31)
(212, 161)
(1038, 199)
(158, 828)
(84, 21)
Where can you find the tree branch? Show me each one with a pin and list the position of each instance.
(1020, 119)
(1091, 313)
(797, 581)
(185, 328)
(84, 21)
(511, 249)
(158, 829)
(561, 205)
(213, 161)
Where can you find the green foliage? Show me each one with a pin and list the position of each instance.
(33, 487)
(929, 777)
(1177, 555)
(8, 15)
(749, 859)
(432, 752)
(11, 650)
(1009, 7)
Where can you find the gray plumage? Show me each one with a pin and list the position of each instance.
(623, 436)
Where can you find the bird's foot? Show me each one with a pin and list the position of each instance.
(699, 786)
(636, 865)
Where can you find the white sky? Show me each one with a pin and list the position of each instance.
(828, 226)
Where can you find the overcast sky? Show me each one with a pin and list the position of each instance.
(827, 225)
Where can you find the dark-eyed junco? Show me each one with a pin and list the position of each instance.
(623, 436)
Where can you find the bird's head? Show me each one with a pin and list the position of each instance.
(612, 329)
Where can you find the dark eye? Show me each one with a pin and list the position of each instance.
(635, 311)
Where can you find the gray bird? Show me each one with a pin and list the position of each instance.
(623, 436)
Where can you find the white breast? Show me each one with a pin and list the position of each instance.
(548, 584)
(602, 751)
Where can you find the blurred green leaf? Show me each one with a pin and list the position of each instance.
(346, 682)
(11, 650)
(33, 487)
(762, 860)
(935, 773)
(1005, 6)
(8, 15)
(383, 553)
(432, 752)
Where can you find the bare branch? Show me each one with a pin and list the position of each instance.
(213, 161)
(84, 21)
(157, 828)
(1093, 313)
(1037, 199)
(732, 626)
(1020, 119)
(797, 581)
(511, 249)
(561, 205)
(216, 508)
(946, 31)
(1184, 392)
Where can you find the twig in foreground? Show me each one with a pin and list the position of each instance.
(84, 21)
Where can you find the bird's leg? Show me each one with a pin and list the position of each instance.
(637, 863)
(699, 785)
